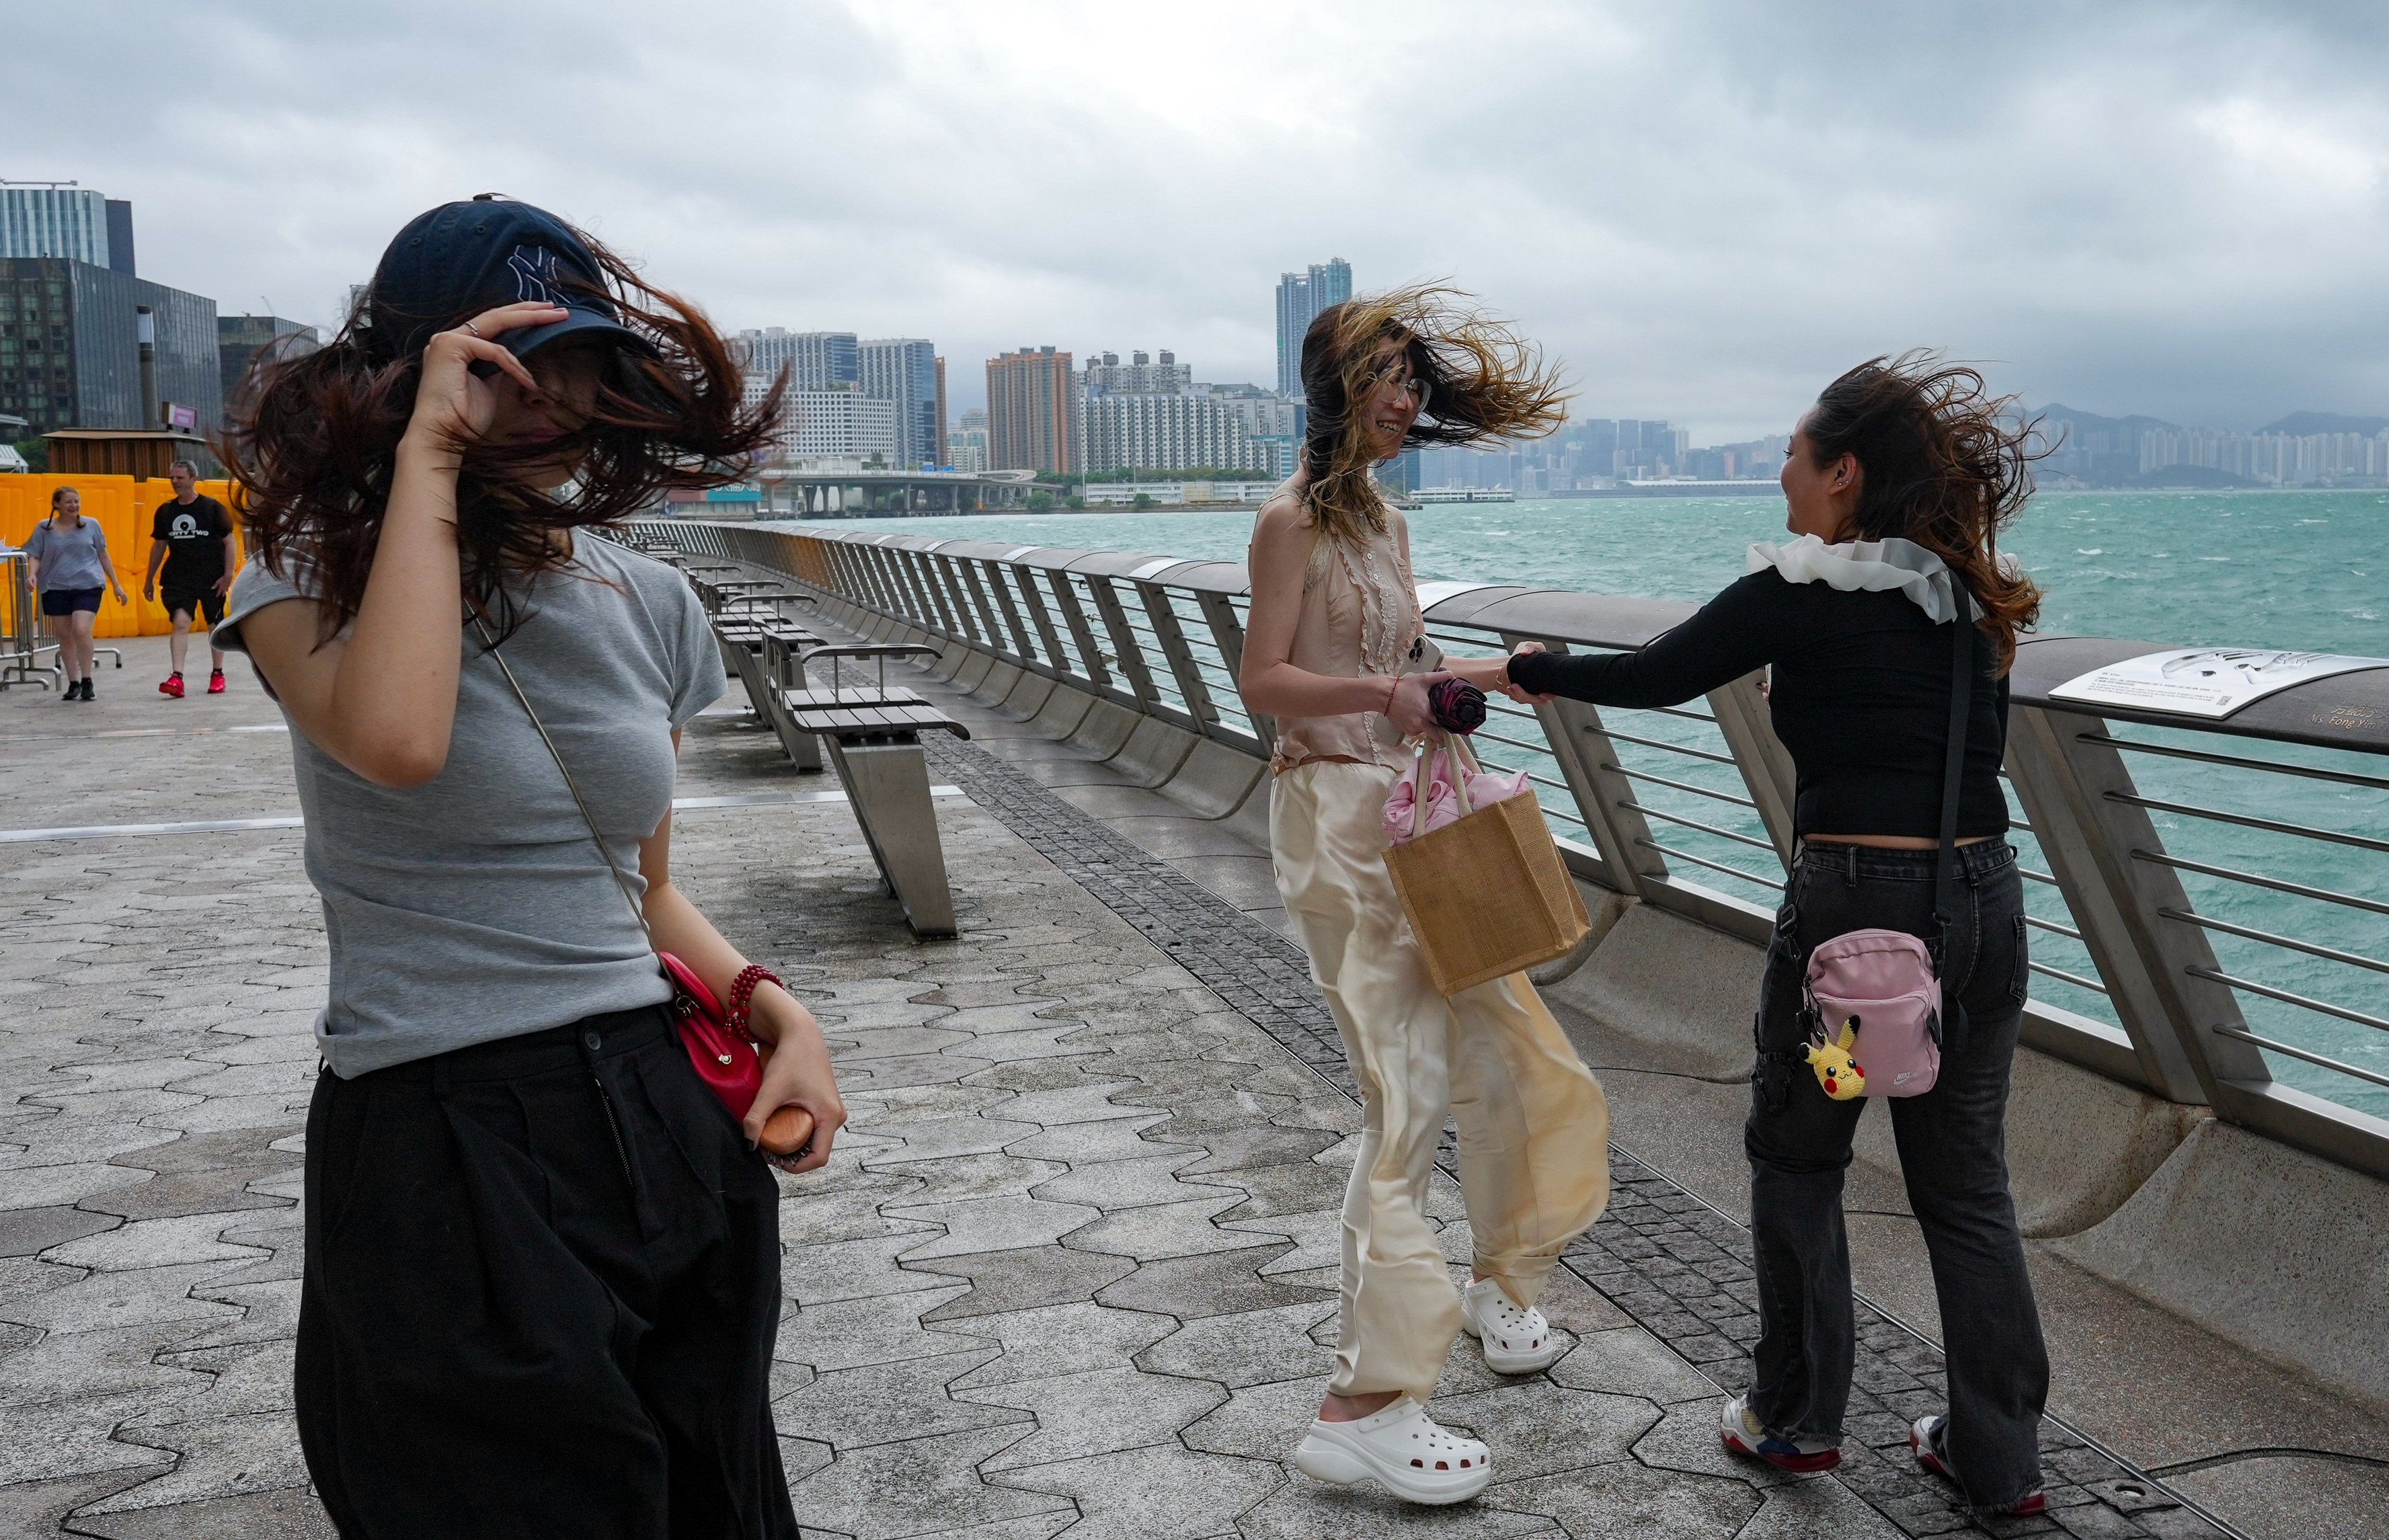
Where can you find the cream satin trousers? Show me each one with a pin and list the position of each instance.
(1533, 1127)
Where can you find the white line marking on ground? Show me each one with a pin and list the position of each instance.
(243, 825)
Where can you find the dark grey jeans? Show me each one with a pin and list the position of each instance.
(1952, 1149)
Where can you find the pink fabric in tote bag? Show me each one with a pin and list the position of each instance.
(1882, 983)
(1442, 804)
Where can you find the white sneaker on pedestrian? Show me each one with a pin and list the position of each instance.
(1517, 1341)
(1400, 1448)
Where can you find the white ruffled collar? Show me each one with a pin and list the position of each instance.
(1873, 565)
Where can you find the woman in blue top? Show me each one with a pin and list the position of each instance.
(543, 1262)
(69, 558)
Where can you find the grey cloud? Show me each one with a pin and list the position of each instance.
(1707, 210)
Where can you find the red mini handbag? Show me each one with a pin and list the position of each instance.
(724, 1053)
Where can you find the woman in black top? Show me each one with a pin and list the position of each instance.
(1899, 479)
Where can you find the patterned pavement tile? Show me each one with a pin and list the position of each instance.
(1157, 1492)
(976, 1225)
(1154, 1232)
(921, 1486)
(1025, 1278)
(1082, 1144)
(888, 1403)
(1115, 1185)
(1632, 1502)
(879, 1328)
(1061, 1338)
(1195, 1287)
(1251, 1348)
(1095, 1412)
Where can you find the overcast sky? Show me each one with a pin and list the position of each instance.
(1706, 210)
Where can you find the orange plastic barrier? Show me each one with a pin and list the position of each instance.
(125, 508)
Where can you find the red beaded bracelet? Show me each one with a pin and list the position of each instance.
(742, 992)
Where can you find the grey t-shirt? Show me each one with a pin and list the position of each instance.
(69, 556)
(475, 906)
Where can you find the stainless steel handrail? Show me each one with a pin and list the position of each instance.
(2277, 766)
(2249, 820)
(2257, 880)
(2293, 943)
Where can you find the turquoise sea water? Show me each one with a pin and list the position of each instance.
(2306, 570)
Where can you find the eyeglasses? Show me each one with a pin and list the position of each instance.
(1409, 385)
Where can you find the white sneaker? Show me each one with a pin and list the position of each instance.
(1400, 1448)
(1516, 1340)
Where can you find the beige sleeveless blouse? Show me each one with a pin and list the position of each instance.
(1360, 616)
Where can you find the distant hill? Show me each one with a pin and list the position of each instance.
(2298, 425)
(2057, 416)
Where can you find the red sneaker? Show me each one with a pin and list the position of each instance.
(215, 683)
(171, 685)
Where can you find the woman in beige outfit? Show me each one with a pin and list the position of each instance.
(1335, 624)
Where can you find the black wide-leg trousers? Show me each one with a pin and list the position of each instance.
(542, 1283)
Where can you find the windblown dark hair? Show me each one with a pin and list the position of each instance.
(1483, 382)
(313, 443)
(1946, 464)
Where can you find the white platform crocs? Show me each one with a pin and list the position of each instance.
(1402, 1449)
(1517, 1341)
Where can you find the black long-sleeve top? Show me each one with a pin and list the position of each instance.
(1861, 697)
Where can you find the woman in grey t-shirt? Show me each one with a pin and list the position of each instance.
(542, 1261)
(70, 562)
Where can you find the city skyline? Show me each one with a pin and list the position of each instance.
(2138, 208)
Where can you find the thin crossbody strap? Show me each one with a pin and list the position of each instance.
(1962, 702)
(638, 912)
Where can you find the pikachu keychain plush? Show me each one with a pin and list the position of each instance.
(1836, 1070)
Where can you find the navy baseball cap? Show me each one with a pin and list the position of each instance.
(463, 257)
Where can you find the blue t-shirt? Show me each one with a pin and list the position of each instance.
(476, 905)
(70, 553)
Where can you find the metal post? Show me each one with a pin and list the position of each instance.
(1227, 635)
(2067, 781)
(1180, 658)
(1125, 645)
(1765, 765)
(1091, 652)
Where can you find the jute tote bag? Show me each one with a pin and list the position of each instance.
(1487, 895)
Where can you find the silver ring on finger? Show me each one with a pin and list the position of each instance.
(475, 330)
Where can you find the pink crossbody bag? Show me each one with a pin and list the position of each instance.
(1873, 1003)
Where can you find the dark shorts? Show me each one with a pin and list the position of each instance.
(202, 601)
(66, 601)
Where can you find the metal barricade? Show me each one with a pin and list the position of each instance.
(22, 644)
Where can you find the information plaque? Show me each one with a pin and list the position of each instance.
(2212, 683)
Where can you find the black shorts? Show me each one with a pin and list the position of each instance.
(201, 601)
(66, 601)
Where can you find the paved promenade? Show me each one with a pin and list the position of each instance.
(1071, 1272)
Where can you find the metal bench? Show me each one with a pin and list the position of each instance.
(872, 730)
(767, 655)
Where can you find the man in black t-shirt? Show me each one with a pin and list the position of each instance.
(191, 538)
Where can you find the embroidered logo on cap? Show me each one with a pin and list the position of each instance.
(535, 276)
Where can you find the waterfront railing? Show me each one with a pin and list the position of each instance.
(2208, 901)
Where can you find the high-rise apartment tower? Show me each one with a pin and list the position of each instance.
(1029, 410)
(1300, 298)
(903, 369)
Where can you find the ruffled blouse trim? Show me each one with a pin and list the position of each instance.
(1873, 566)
